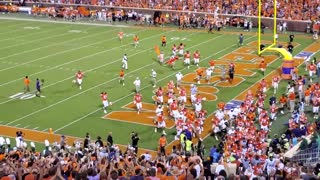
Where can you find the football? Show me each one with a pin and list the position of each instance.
(74, 81)
(110, 103)
(204, 98)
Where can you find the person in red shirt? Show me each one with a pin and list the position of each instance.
(212, 63)
(182, 95)
(137, 100)
(263, 66)
(79, 77)
(275, 83)
(161, 123)
(312, 70)
(196, 58)
(171, 61)
(187, 59)
(105, 102)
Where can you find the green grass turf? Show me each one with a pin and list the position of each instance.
(55, 52)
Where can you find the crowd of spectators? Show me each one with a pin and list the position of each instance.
(287, 9)
(245, 148)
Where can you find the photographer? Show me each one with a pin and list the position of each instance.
(134, 141)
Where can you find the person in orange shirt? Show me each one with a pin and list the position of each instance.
(121, 77)
(307, 94)
(263, 66)
(199, 75)
(26, 84)
(120, 35)
(162, 144)
(283, 103)
(212, 63)
(136, 41)
(164, 41)
(292, 101)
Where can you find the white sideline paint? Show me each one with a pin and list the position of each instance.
(44, 57)
(79, 119)
(76, 60)
(61, 22)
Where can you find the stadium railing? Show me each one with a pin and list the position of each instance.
(308, 156)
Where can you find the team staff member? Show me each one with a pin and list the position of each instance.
(162, 145)
(121, 77)
(38, 87)
(164, 41)
(263, 66)
(26, 82)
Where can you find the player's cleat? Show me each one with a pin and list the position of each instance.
(198, 82)
(138, 112)
(123, 84)
(105, 111)
(155, 130)
(164, 133)
(281, 112)
(80, 87)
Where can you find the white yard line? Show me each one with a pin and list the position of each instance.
(84, 57)
(53, 44)
(40, 110)
(9, 32)
(36, 32)
(45, 130)
(36, 128)
(26, 126)
(79, 119)
(17, 125)
(62, 22)
(75, 95)
(62, 52)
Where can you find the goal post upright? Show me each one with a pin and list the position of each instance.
(274, 40)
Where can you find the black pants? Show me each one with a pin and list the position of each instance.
(164, 43)
(231, 75)
(162, 151)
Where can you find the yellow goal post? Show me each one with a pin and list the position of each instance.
(282, 51)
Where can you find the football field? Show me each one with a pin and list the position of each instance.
(54, 52)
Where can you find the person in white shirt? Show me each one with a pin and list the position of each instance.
(161, 57)
(193, 93)
(125, 62)
(137, 84)
(153, 78)
(198, 108)
(159, 110)
(219, 168)
(208, 74)
(179, 77)
(2, 141)
(197, 167)
(270, 164)
(147, 156)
